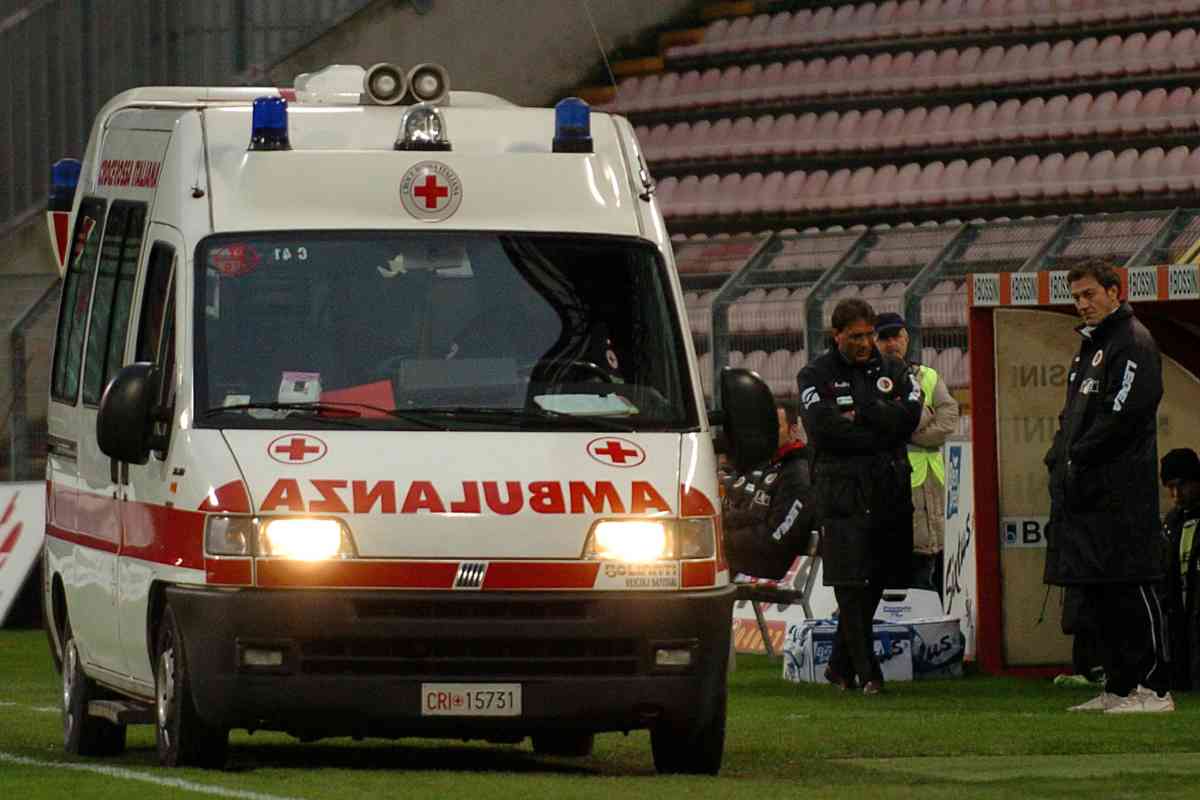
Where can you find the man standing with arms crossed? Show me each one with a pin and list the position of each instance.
(1104, 524)
(939, 419)
(859, 408)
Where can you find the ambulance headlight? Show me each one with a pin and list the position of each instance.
(630, 540)
(305, 538)
(423, 128)
(650, 539)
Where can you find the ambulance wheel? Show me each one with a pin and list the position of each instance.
(183, 738)
(83, 734)
(695, 748)
(571, 745)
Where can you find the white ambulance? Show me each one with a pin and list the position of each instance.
(374, 412)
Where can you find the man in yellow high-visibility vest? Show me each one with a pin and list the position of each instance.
(939, 419)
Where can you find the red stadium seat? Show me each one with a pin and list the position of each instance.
(1178, 110)
(1172, 169)
(933, 125)
(770, 196)
(1187, 179)
(927, 182)
(1097, 176)
(1182, 51)
(835, 191)
(996, 184)
(1132, 113)
(1102, 108)
(1126, 170)
(1047, 176)
(1024, 178)
(952, 179)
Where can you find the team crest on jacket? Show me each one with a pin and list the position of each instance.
(1096, 359)
(884, 384)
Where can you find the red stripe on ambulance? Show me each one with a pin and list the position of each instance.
(281, 573)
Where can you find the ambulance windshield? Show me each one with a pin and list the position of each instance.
(458, 331)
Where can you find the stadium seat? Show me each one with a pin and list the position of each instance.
(1174, 173)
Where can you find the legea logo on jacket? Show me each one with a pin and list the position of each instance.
(1126, 386)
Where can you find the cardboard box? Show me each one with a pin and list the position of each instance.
(938, 647)
(809, 645)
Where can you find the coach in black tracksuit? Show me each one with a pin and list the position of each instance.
(860, 408)
(1104, 533)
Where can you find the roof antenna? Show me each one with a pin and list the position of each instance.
(607, 66)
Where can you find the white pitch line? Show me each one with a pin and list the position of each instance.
(131, 775)
(40, 709)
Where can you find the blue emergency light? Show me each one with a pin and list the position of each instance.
(64, 177)
(269, 124)
(572, 126)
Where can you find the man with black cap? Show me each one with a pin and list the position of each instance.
(939, 419)
(1181, 477)
(1104, 535)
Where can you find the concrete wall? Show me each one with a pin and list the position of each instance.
(532, 52)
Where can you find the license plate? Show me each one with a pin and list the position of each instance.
(470, 699)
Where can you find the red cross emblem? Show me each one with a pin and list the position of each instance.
(616, 452)
(431, 191)
(296, 449)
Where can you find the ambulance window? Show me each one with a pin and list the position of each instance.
(77, 292)
(156, 331)
(113, 297)
(154, 303)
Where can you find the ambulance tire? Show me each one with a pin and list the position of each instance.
(695, 748)
(183, 739)
(83, 734)
(565, 743)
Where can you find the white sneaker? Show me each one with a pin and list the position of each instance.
(1101, 702)
(1143, 701)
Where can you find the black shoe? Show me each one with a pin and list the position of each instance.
(837, 680)
(873, 687)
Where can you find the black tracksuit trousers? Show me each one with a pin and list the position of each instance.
(1132, 636)
(854, 646)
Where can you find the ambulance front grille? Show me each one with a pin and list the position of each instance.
(472, 609)
(466, 658)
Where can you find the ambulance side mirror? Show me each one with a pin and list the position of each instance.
(750, 423)
(124, 424)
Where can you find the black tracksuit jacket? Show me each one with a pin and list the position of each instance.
(1104, 517)
(861, 473)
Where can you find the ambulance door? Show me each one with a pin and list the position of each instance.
(98, 498)
(74, 551)
(146, 546)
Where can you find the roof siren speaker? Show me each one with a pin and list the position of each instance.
(385, 84)
(429, 83)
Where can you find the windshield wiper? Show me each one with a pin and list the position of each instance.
(525, 415)
(327, 411)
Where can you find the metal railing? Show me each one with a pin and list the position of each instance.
(770, 309)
